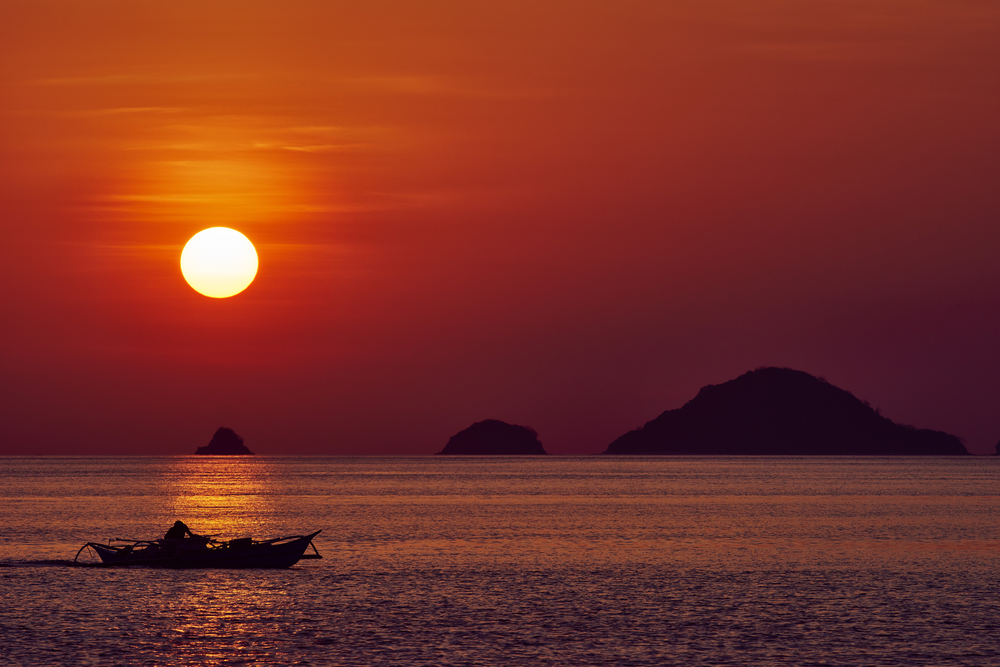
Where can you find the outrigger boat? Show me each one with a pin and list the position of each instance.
(195, 552)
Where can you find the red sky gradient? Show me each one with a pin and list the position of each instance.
(568, 214)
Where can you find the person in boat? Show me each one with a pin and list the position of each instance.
(179, 531)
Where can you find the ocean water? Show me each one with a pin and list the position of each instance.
(512, 561)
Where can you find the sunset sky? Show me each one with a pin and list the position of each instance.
(564, 214)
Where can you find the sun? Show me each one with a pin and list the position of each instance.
(219, 262)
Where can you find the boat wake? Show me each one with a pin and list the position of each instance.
(44, 562)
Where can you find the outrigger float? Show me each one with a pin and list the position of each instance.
(195, 552)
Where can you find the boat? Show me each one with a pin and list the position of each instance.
(204, 552)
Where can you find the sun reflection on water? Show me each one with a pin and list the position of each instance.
(222, 496)
(219, 617)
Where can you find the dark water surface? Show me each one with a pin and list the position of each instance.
(513, 561)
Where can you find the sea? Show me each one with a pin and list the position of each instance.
(550, 560)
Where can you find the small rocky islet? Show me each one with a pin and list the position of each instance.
(225, 442)
(492, 437)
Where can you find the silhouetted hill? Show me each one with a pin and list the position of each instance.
(493, 438)
(225, 441)
(780, 411)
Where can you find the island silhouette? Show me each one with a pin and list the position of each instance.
(780, 411)
(225, 442)
(492, 437)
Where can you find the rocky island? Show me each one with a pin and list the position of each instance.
(493, 437)
(780, 411)
(225, 442)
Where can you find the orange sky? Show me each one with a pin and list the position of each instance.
(566, 214)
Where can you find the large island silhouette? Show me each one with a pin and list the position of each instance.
(780, 411)
(492, 437)
(225, 442)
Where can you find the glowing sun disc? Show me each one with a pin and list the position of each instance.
(219, 262)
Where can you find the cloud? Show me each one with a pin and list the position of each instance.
(117, 111)
(826, 51)
(135, 79)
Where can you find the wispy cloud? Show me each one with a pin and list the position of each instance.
(815, 51)
(135, 79)
(444, 86)
(122, 111)
(325, 148)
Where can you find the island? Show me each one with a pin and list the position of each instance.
(780, 411)
(225, 442)
(493, 437)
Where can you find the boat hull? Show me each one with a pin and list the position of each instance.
(189, 554)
